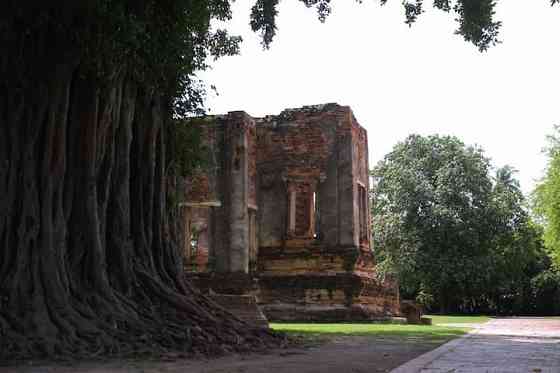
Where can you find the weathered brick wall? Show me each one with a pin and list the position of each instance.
(324, 150)
(297, 150)
(362, 177)
(303, 174)
(361, 165)
(203, 189)
(299, 142)
(226, 186)
(327, 298)
(306, 260)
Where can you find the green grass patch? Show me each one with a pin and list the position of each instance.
(451, 319)
(422, 333)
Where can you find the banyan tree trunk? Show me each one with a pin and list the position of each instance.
(87, 260)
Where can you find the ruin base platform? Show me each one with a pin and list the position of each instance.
(328, 298)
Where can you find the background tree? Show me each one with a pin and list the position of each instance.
(454, 234)
(90, 91)
(518, 257)
(546, 205)
(436, 193)
(546, 197)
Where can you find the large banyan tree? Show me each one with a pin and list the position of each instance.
(89, 92)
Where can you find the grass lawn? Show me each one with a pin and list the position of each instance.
(448, 319)
(421, 333)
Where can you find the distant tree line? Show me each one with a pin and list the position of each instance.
(459, 235)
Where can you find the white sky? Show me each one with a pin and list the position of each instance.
(400, 80)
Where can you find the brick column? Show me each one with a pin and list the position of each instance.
(236, 158)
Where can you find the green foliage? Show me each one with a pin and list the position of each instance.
(431, 195)
(518, 253)
(546, 198)
(545, 289)
(263, 19)
(159, 44)
(424, 298)
(545, 285)
(189, 151)
(475, 17)
(454, 234)
(476, 23)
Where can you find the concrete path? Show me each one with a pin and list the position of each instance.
(507, 345)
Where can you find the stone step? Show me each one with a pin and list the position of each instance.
(244, 307)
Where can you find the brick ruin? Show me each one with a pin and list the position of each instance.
(280, 212)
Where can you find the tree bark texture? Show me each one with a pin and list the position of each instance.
(88, 263)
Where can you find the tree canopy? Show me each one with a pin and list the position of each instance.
(475, 18)
(454, 233)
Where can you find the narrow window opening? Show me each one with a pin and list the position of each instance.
(303, 211)
(253, 252)
(187, 237)
(315, 217)
(194, 243)
(292, 211)
(363, 213)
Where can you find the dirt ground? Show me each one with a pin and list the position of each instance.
(350, 354)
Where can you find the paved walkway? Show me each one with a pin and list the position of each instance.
(508, 345)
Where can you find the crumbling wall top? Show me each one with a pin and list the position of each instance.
(295, 114)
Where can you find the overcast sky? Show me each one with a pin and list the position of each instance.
(400, 80)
